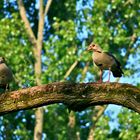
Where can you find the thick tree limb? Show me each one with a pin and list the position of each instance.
(75, 96)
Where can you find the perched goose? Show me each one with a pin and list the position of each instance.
(6, 75)
(105, 61)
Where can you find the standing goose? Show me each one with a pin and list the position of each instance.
(105, 61)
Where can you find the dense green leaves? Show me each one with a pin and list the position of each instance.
(70, 27)
(16, 48)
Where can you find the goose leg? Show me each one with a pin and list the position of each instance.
(109, 76)
(101, 74)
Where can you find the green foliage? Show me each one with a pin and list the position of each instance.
(71, 26)
(102, 131)
(55, 122)
(17, 126)
(64, 10)
(60, 51)
(15, 47)
(130, 128)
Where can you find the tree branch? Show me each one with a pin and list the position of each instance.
(76, 96)
(26, 22)
(40, 26)
(71, 68)
(47, 7)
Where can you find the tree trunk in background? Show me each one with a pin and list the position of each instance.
(91, 135)
(71, 126)
(72, 132)
(39, 113)
(37, 49)
(96, 117)
(138, 137)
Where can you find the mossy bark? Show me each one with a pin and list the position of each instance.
(77, 96)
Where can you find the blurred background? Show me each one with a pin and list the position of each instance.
(56, 51)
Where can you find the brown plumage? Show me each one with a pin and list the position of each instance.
(6, 75)
(105, 61)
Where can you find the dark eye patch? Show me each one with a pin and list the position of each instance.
(99, 65)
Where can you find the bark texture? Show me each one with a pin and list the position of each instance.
(39, 113)
(77, 96)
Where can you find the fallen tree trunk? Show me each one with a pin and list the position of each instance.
(77, 96)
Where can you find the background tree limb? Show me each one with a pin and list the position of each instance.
(26, 22)
(47, 7)
(75, 96)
